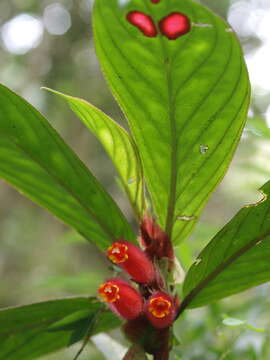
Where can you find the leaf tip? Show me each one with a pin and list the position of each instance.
(51, 90)
(262, 200)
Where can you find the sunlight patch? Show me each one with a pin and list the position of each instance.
(22, 33)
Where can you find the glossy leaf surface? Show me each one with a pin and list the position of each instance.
(27, 332)
(118, 145)
(35, 160)
(236, 259)
(185, 99)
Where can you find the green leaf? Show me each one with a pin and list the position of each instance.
(232, 322)
(69, 320)
(35, 160)
(258, 126)
(30, 331)
(118, 144)
(185, 100)
(236, 259)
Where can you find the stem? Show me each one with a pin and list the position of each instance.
(163, 352)
(89, 332)
(162, 355)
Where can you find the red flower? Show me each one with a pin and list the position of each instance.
(133, 260)
(160, 310)
(122, 298)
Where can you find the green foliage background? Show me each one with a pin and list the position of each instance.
(40, 258)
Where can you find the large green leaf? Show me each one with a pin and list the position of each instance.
(236, 259)
(27, 332)
(185, 100)
(35, 159)
(118, 144)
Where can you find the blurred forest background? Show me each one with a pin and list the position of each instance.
(49, 43)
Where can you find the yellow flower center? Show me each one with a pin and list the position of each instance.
(159, 307)
(117, 253)
(109, 292)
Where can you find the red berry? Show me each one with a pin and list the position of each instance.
(122, 298)
(133, 260)
(174, 25)
(143, 22)
(160, 310)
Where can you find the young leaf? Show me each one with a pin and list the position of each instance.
(118, 144)
(27, 332)
(236, 259)
(185, 97)
(35, 159)
(232, 322)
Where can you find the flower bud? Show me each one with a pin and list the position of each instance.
(122, 298)
(160, 310)
(156, 241)
(133, 260)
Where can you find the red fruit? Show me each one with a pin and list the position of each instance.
(133, 260)
(174, 25)
(143, 22)
(160, 310)
(122, 298)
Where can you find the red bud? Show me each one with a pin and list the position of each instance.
(122, 298)
(156, 241)
(160, 310)
(133, 260)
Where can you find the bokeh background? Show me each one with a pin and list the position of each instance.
(49, 43)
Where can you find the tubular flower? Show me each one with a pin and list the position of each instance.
(133, 260)
(160, 310)
(121, 298)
